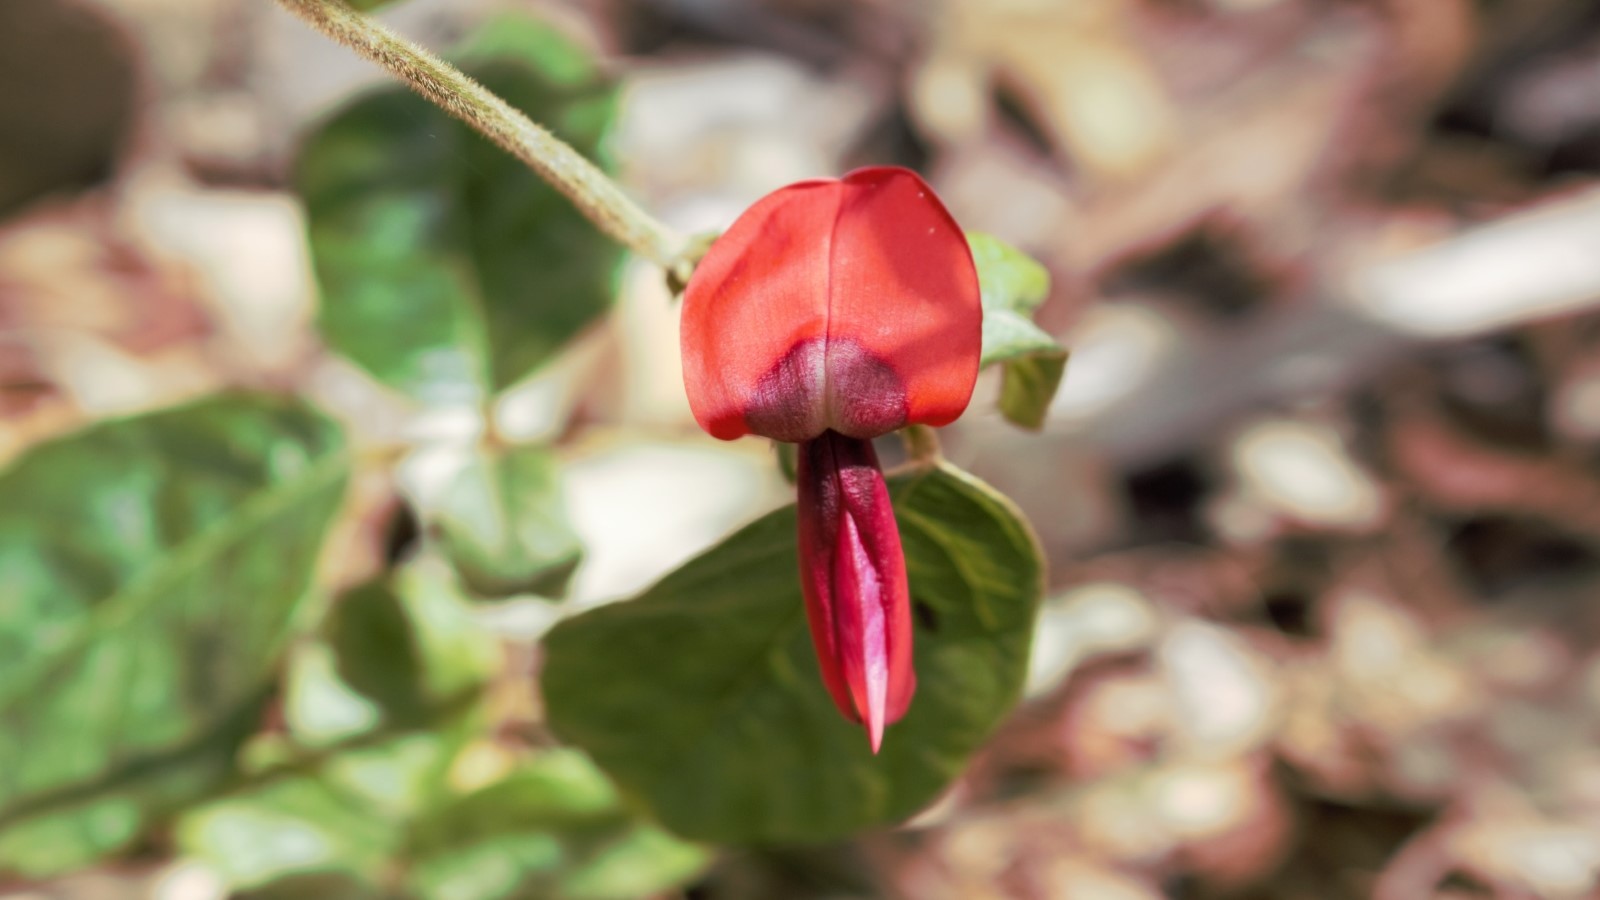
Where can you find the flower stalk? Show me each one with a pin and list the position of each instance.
(591, 190)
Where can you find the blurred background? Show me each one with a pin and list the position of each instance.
(1320, 493)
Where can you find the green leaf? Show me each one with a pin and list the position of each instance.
(448, 269)
(554, 827)
(314, 886)
(556, 57)
(292, 826)
(319, 707)
(150, 570)
(1028, 385)
(500, 867)
(1010, 336)
(401, 652)
(376, 716)
(337, 797)
(641, 860)
(344, 813)
(559, 789)
(702, 697)
(398, 778)
(503, 523)
(377, 711)
(1013, 287)
(373, 650)
(1007, 277)
(458, 655)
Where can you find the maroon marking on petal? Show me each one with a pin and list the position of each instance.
(820, 385)
(866, 397)
(788, 401)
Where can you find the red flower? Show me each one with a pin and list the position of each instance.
(834, 311)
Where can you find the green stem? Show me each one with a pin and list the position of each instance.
(922, 445)
(596, 195)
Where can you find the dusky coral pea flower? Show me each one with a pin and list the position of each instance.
(831, 312)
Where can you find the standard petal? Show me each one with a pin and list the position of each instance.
(904, 292)
(849, 304)
(755, 318)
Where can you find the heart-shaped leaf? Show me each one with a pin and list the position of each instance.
(702, 697)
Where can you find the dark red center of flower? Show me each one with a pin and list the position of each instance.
(823, 384)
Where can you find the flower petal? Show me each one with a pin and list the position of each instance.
(905, 290)
(760, 293)
(846, 304)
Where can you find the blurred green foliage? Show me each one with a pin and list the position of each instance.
(448, 269)
(406, 647)
(378, 822)
(504, 526)
(382, 709)
(151, 571)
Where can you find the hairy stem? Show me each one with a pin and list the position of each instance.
(596, 195)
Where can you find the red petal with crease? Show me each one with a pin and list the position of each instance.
(848, 304)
